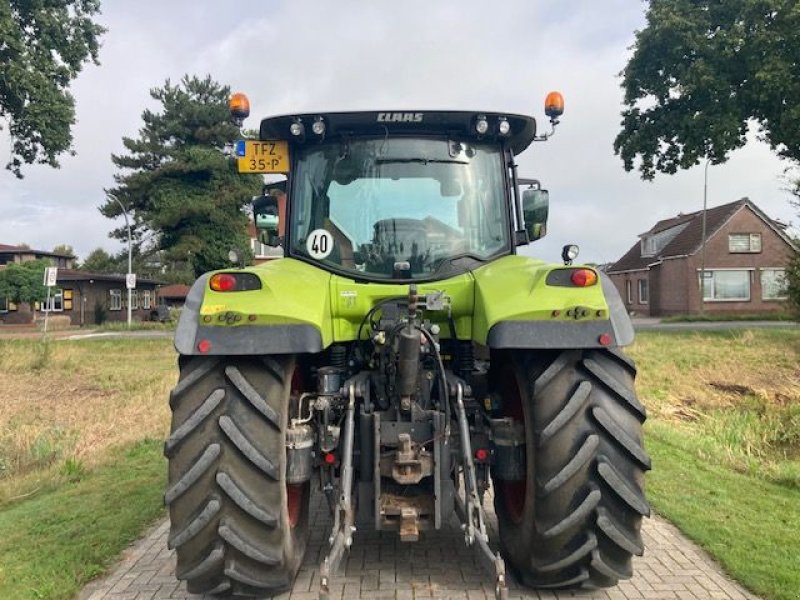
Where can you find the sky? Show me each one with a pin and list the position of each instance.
(298, 55)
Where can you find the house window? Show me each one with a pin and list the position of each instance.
(3, 305)
(726, 285)
(643, 291)
(146, 299)
(744, 242)
(115, 302)
(258, 248)
(629, 291)
(773, 284)
(56, 302)
(134, 299)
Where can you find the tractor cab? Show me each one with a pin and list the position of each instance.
(413, 196)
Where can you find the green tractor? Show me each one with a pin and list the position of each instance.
(402, 359)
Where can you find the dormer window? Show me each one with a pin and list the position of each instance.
(649, 246)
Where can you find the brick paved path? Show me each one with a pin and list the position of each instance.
(439, 566)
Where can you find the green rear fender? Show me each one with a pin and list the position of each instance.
(289, 314)
(303, 309)
(516, 308)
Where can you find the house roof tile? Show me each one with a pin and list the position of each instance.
(176, 290)
(689, 240)
(10, 249)
(74, 275)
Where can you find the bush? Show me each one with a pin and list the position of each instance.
(793, 282)
(100, 314)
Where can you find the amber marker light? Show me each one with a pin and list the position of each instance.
(554, 105)
(583, 277)
(239, 106)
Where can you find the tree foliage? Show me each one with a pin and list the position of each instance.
(701, 70)
(100, 261)
(43, 46)
(183, 193)
(22, 282)
(793, 282)
(793, 266)
(64, 249)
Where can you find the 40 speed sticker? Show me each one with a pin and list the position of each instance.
(319, 244)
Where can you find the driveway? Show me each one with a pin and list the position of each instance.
(439, 566)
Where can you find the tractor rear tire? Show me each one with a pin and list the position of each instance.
(575, 521)
(238, 529)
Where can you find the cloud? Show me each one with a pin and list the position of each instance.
(348, 55)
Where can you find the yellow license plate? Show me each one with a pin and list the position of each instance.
(256, 156)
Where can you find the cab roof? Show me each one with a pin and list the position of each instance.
(403, 122)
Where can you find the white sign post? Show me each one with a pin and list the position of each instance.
(130, 283)
(50, 279)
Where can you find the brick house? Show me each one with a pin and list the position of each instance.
(173, 295)
(745, 257)
(19, 254)
(261, 252)
(91, 298)
(85, 297)
(9, 254)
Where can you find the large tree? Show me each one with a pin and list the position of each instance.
(701, 72)
(43, 46)
(182, 191)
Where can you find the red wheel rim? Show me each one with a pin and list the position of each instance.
(514, 492)
(514, 496)
(295, 492)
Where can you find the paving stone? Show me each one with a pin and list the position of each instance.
(379, 566)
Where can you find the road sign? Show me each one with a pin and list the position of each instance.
(50, 276)
(130, 281)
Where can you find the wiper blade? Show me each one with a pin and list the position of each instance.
(422, 161)
(447, 261)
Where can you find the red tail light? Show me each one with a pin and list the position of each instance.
(222, 282)
(234, 282)
(583, 277)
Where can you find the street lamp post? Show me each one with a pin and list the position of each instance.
(128, 225)
(703, 240)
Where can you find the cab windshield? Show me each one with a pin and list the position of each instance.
(399, 208)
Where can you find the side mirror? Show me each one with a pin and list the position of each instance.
(266, 214)
(535, 205)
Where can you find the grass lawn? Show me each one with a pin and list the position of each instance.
(724, 434)
(81, 471)
(54, 543)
